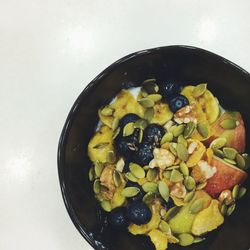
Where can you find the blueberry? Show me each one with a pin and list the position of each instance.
(127, 119)
(168, 89)
(153, 134)
(139, 213)
(118, 218)
(126, 166)
(140, 195)
(144, 154)
(178, 102)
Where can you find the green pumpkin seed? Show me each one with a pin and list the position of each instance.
(176, 176)
(98, 168)
(150, 187)
(146, 102)
(232, 162)
(182, 140)
(140, 136)
(201, 185)
(199, 90)
(167, 174)
(184, 169)
(101, 145)
(163, 190)
(97, 186)
(241, 163)
(116, 133)
(91, 174)
(189, 196)
(141, 123)
(173, 167)
(137, 170)
(235, 191)
(131, 177)
(172, 128)
(198, 239)
(148, 198)
(111, 157)
(247, 160)
(189, 129)
(196, 206)
(172, 148)
(120, 165)
(107, 111)
(230, 153)
(229, 124)
(152, 174)
(106, 205)
(128, 129)
(171, 213)
(231, 209)
(149, 114)
(115, 123)
(168, 137)
(117, 178)
(178, 130)
(155, 97)
(168, 125)
(164, 227)
(130, 191)
(143, 94)
(242, 192)
(150, 88)
(146, 168)
(218, 152)
(149, 80)
(182, 152)
(218, 143)
(189, 183)
(223, 209)
(202, 129)
(186, 239)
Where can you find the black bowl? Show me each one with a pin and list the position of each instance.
(229, 82)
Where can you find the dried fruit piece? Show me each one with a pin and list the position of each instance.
(159, 239)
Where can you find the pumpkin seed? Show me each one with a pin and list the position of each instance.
(218, 142)
(115, 123)
(182, 140)
(155, 97)
(98, 168)
(146, 102)
(164, 227)
(150, 187)
(107, 111)
(230, 153)
(106, 205)
(229, 124)
(198, 239)
(130, 191)
(120, 165)
(182, 152)
(176, 176)
(201, 185)
(91, 174)
(168, 125)
(232, 162)
(168, 137)
(171, 213)
(189, 183)
(150, 88)
(163, 190)
(178, 130)
(223, 209)
(140, 136)
(172, 148)
(146, 168)
(231, 209)
(148, 198)
(149, 114)
(240, 161)
(171, 129)
(97, 186)
(131, 177)
(173, 167)
(151, 174)
(137, 170)
(150, 80)
(186, 239)
(189, 196)
(143, 94)
(141, 123)
(242, 192)
(117, 178)
(202, 129)
(235, 191)
(189, 129)
(167, 174)
(196, 206)
(111, 157)
(184, 169)
(128, 129)
(247, 160)
(116, 133)
(101, 145)
(199, 90)
(218, 152)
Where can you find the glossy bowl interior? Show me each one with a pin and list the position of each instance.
(189, 65)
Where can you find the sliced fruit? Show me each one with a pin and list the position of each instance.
(226, 177)
(162, 113)
(159, 239)
(208, 219)
(100, 144)
(197, 154)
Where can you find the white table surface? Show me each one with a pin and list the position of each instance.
(49, 51)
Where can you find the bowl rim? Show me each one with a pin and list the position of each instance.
(61, 144)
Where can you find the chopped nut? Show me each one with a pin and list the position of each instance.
(107, 181)
(178, 190)
(162, 158)
(226, 196)
(186, 114)
(163, 212)
(192, 146)
(120, 165)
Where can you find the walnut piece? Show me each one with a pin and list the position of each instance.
(162, 158)
(178, 190)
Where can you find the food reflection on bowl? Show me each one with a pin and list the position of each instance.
(127, 149)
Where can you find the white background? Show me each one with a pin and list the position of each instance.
(49, 51)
